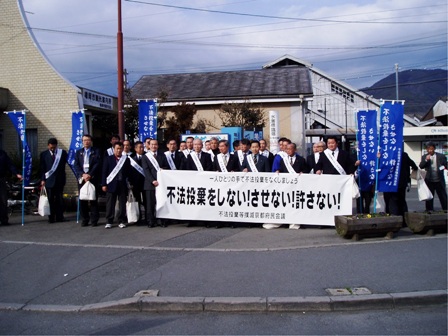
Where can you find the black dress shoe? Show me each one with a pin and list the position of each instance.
(151, 224)
(51, 221)
(83, 223)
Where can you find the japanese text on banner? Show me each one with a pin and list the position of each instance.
(19, 121)
(368, 148)
(147, 119)
(391, 145)
(77, 133)
(253, 197)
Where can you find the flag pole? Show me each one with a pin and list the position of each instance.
(357, 158)
(378, 132)
(23, 168)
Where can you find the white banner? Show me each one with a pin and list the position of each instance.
(253, 197)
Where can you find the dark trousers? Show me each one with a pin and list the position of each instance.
(3, 201)
(440, 189)
(89, 210)
(111, 199)
(363, 202)
(150, 207)
(56, 203)
(140, 197)
(396, 202)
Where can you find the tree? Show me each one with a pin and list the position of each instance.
(180, 121)
(244, 115)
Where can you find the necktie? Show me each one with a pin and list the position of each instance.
(155, 156)
(255, 159)
(52, 155)
(290, 159)
(224, 158)
(332, 153)
(172, 156)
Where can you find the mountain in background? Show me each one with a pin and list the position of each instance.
(420, 89)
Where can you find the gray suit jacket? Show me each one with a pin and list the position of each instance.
(441, 161)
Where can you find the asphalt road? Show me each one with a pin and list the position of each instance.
(421, 321)
(48, 268)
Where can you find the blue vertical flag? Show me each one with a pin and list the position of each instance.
(147, 119)
(367, 137)
(391, 145)
(77, 133)
(19, 121)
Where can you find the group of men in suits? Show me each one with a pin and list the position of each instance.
(119, 170)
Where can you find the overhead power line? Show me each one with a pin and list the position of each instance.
(280, 17)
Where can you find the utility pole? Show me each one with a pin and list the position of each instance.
(120, 75)
(396, 81)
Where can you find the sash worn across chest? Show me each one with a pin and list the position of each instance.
(288, 165)
(117, 168)
(334, 162)
(222, 164)
(170, 160)
(153, 161)
(251, 162)
(55, 164)
(196, 161)
(136, 166)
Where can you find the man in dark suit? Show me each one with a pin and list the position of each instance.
(113, 140)
(151, 165)
(205, 159)
(137, 176)
(325, 165)
(435, 165)
(5, 166)
(240, 155)
(396, 201)
(172, 157)
(265, 152)
(255, 161)
(116, 171)
(171, 160)
(214, 145)
(52, 172)
(312, 159)
(88, 168)
(282, 143)
(224, 158)
(297, 163)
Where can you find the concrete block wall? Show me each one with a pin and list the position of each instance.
(34, 85)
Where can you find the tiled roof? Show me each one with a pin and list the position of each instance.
(285, 82)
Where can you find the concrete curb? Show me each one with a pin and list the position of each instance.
(249, 304)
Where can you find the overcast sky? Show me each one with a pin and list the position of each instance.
(354, 41)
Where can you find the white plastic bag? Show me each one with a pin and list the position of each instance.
(379, 204)
(87, 192)
(424, 194)
(132, 208)
(44, 204)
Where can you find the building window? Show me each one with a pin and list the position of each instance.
(344, 93)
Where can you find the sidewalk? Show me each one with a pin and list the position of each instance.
(66, 267)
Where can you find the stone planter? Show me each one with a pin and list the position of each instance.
(429, 223)
(356, 228)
